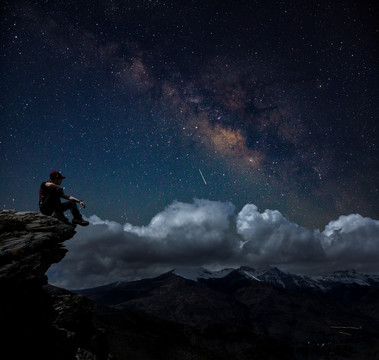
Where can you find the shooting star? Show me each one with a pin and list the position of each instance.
(202, 177)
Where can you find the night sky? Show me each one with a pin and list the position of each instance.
(274, 102)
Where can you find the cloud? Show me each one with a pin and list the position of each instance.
(270, 237)
(199, 222)
(182, 234)
(208, 233)
(353, 238)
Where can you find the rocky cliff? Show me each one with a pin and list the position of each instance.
(29, 244)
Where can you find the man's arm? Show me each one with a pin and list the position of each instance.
(69, 197)
(52, 185)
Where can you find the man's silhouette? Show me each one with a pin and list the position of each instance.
(50, 195)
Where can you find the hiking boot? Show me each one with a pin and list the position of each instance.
(81, 222)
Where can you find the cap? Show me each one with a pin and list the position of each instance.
(56, 175)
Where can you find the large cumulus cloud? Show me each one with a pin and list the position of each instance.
(352, 239)
(209, 233)
(270, 237)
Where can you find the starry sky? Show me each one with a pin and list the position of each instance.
(275, 102)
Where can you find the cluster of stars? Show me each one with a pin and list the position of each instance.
(274, 104)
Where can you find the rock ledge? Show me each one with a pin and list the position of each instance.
(29, 244)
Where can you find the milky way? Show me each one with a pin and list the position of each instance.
(275, 102)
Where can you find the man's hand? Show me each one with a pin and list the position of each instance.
(69, 197)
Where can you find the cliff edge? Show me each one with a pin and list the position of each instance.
(29, 244)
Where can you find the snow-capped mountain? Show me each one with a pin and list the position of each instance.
(201, 273)
(350, 277)
(293, 309)
(280, 279)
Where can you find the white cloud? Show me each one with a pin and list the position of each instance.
(270, 237)
(182, 234)
(208, 233)
(352, 238)
(199, 222)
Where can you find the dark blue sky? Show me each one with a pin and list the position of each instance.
(275, 102)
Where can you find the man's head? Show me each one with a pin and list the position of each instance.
(56, 177)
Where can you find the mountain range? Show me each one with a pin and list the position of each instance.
(274, 276)
(317, 315)
(347, 286)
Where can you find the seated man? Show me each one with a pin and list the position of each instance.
(50, 195)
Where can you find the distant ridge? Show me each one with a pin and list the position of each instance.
(278, 278)
(268, 275)
(312, 317)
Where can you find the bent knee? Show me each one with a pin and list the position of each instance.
(72, 203)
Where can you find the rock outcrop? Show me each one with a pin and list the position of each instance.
(29, 244)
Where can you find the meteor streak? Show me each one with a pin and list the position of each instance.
(202, 177)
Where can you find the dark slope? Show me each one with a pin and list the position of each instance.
(309, 324)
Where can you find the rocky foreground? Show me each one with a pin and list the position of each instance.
(168, 317)
(29, 244)
(44, 322)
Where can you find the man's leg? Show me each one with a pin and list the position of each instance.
(71, 205)
(59, 212)
(46, 209)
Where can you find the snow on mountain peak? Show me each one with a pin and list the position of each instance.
(276, 277)
(201, 273)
